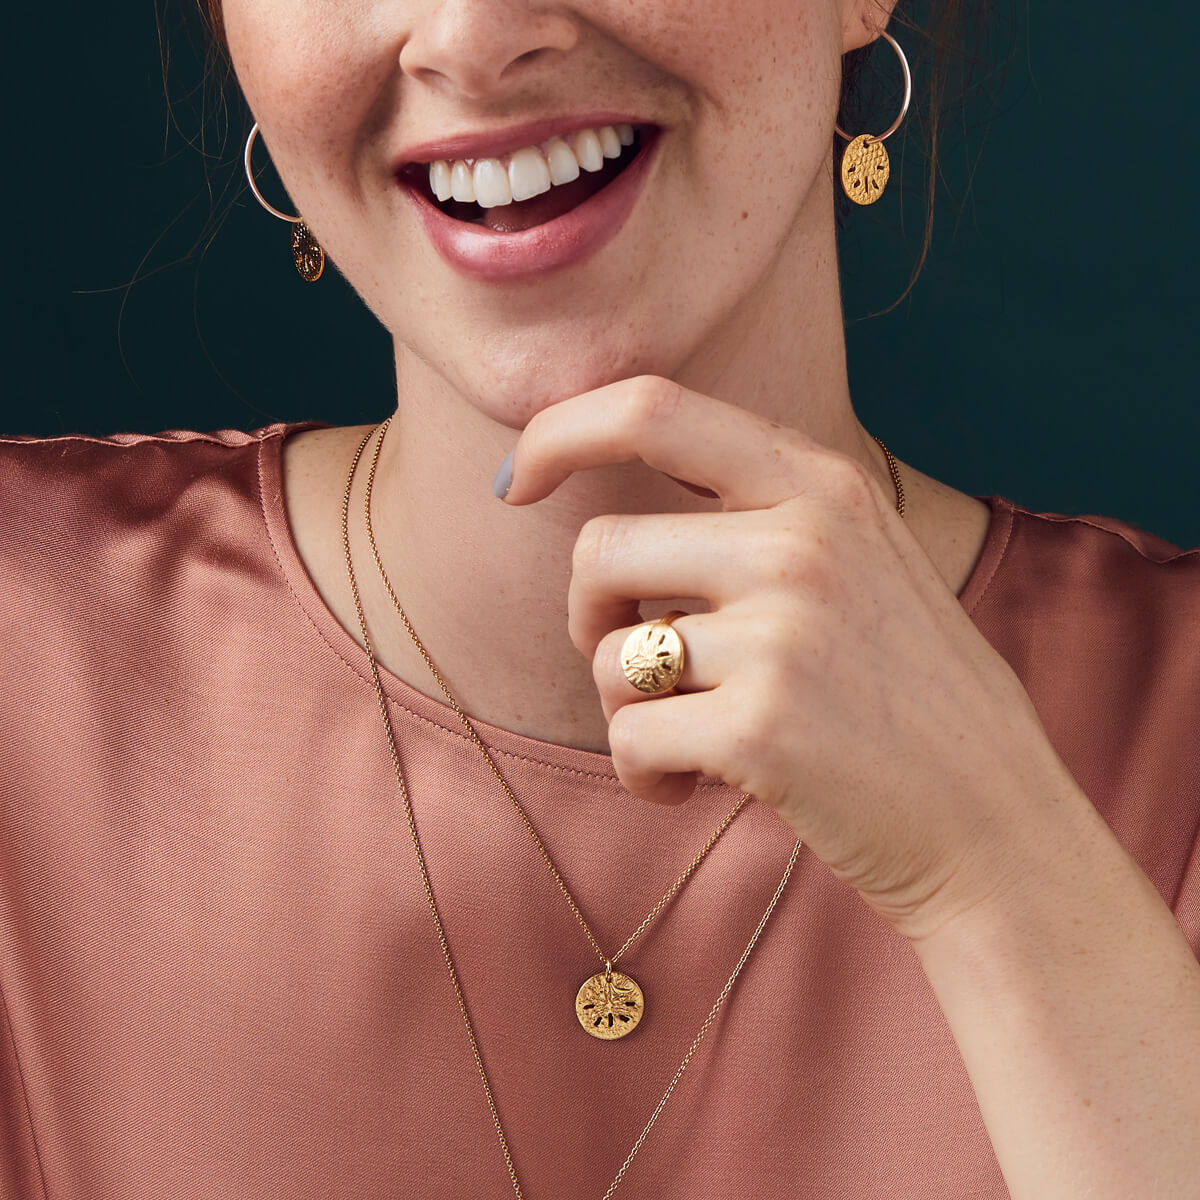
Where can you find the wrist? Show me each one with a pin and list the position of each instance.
(1050, 878)
(1046, 849)
(1074, 1000)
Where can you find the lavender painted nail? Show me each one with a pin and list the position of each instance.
(503, 480)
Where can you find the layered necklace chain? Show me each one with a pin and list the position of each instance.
(605, 998)
(608, 1004)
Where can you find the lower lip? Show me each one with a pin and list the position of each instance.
(495, 257)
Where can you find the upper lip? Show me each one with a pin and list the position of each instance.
(496, 142)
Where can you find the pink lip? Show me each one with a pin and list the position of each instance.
(493, 257)
(505, 141)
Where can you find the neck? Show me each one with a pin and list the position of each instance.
(485, 585)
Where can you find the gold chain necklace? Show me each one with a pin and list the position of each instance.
(412, 828)
(608, 1004)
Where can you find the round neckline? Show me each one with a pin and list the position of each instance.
(401, 693)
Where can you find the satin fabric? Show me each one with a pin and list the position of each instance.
(218, 971)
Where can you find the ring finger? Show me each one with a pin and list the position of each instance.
(703, 662)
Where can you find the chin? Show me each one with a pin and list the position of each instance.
(511, 397)
(516, 404)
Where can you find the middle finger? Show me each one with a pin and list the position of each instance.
(620, 560)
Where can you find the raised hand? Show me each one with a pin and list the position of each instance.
(836, 677)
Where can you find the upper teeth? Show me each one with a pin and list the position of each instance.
(491, 182)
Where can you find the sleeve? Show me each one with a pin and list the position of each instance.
(20, 1167)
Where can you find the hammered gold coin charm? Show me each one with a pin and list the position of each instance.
(610, 1004)
(307, 252)
(865, 169)
(652, 657)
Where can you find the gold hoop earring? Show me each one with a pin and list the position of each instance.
(865, 165)
(306, 250)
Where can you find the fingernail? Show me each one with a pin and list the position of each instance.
(503, 480)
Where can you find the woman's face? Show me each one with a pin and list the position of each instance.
(734, 101)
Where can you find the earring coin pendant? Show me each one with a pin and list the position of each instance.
(609, 1004)
(307, 253)
(865, 169)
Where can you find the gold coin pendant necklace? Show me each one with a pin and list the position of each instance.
(609, 1004)
(602, 997)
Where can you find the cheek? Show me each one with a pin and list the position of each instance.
(739, 52)
(310, 73)
(763, 79)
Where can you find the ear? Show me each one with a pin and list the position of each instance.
(863, 21)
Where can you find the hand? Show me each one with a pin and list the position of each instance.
(836, 677)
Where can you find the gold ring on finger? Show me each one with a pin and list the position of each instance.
(652, 656)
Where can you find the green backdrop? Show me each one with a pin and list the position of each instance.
(1045, 353)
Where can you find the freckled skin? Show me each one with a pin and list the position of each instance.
(748, 90)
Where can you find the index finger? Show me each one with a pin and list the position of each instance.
(748, 461)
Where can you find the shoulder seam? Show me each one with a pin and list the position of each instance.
(1061, 519)
(12, 1039)
(173, 436)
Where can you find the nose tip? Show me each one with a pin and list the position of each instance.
(477, 46)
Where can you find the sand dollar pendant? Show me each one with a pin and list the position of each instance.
(865, 169)
(307, 253)
(609, 1004)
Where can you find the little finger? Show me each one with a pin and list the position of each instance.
(657, 749)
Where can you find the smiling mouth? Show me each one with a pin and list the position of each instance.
(532, 186)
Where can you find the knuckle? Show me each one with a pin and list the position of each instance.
(850, 482)
(578, 631)
(776, 634)
(781, 551)
(750, 726)
(795, 648)
(653, 399)
(606, 662)
(602, 541)
(622, 734)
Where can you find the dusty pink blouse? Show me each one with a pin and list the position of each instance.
(219, 973)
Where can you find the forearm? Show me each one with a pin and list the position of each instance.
(1075, 1004)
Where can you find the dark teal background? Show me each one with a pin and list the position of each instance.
(1045, 353)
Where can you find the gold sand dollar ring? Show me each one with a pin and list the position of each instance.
(652, 657)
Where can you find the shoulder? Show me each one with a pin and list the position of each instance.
(39, 465)
(1111, 536)
(129, 520)
(73, 487)
(1086, 570)
(1090, 596)
(1099, 619)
